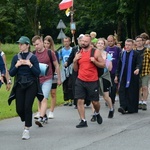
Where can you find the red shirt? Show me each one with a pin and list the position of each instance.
(87, 70)
(44, 58)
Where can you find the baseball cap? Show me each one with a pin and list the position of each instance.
(24, 40)
(80, 36)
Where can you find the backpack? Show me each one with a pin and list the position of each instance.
(28, 57)
(99, 70)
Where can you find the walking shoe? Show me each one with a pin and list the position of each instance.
(82, 124)
(144, 107)
(66, 103)
(93, 119)
(99, 119)
(70, 103)
(140, 106)
(39, 122)
(121, 110)
(50, 115)
(37, 115)
(45, 119)
(25, 134)
(111, 113)
(75, 107)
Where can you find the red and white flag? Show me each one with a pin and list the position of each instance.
(65, 4)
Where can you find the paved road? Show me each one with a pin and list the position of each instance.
(125, 132)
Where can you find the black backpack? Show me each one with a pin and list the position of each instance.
(100, 70)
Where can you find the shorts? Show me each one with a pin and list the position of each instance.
(87, 90)
(145, 80)
(46, 87)
(106, 85)
(54, 86)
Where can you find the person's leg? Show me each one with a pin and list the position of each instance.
(96, 105)
(109, 102)
(81, 109)
(65, 88)
(93, 95)
(113, 89)
(46, 87)
(29, 99)
(145, 82)
(53, 101)
(80, 95)
(93, 119)
(20, 102)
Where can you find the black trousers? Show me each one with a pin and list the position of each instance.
(67, 89)
(113, 89)
(24, 102)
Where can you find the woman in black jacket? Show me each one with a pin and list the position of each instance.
(25, 68)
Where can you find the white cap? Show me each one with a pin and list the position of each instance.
(80, 36)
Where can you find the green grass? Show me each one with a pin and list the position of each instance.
(7, 111)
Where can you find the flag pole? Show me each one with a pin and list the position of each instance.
(72, 23)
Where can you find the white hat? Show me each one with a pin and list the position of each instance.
(80, 36)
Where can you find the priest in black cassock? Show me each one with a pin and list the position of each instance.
(127, 75)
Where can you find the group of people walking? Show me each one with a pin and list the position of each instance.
(96, 66)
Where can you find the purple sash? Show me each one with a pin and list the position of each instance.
(129, 68)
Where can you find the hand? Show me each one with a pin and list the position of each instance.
(77, 56)
(8, 86)
(27, 62)
(116, 79)
(59, 82)
(19, 63)
(92, 59)
(65, 64)
(136, 72)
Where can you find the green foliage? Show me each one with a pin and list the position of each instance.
(21, 17)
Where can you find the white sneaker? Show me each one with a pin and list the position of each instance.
(50, 115)
(25, 135)
(37, 115)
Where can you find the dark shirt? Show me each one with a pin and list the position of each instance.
(25, 70)
(2, 66)
(115, 52)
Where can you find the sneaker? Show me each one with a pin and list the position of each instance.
(37, 115)
(144, 107)
(45, 119)
(82, 124)
(66, 103)
(25, 135)
(39, 122)
(50, 115)
(99, 119)
(93, 119)
(121, 110)
(75, 107)
(70, 103)
(111, 114)
(140, 106)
